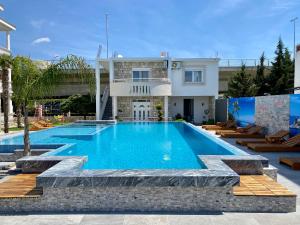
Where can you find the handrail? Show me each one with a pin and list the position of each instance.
(129, 80)
(239, 62)
(103, 100)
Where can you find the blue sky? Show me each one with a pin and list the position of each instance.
(199, 28)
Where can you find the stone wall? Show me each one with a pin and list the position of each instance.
(272, 112)
(123, 70)
(125, 105)
(146, 199)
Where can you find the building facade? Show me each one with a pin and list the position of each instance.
(6, 29)
(181, 87)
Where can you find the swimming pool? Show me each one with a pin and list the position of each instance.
(140, 145)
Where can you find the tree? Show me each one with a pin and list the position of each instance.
(281, 76)
(241, 84)
(82, 104)
(260, 79)
(5, 64)
(289, 68)
(31, 82)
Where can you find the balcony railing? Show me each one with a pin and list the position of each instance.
(141, 87)
(240, 62)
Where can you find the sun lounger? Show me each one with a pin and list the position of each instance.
(44, 123)
(219, 124)
(293, 162)
(36, 126)
(229, 126)
(291, 145)
(253, 132)
(239, 130)
(273, 138)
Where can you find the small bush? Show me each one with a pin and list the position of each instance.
(178, 116)
(159, 112)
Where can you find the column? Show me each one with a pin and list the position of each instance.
(98, 90)
(166, 108)
(114, 107)
(8, 40)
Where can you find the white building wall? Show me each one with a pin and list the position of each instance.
(209, 87)
(297, 69)
(200, 105)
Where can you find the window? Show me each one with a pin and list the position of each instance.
(140, 75)
(193, 76)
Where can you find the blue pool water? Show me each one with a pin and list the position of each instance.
(131, 145)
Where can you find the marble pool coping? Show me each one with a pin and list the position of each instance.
(221, 171)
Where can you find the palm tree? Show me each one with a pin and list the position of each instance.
(31, 82)
(5, 64)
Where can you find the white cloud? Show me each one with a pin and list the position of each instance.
(38, 24)
(41, 40)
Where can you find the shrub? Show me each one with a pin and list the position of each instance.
(159, 112)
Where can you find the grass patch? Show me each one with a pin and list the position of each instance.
(15, 129)
(59, 123)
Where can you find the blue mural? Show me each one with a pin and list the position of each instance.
(242, 110)
(294, 114)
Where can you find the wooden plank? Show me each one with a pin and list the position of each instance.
(260, 185)
(20, 186)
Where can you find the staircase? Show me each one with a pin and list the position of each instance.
(107, 115)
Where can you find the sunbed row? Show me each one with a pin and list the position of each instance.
(276, 142)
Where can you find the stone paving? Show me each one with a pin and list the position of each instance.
(286, 176)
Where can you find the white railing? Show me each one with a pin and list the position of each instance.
(103, 100)
(240, 62)
(166, 80)
(141, 87)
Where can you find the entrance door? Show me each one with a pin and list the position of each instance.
(141, 110)
(188, 109)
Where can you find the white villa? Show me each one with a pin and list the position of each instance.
(6, 28)
(185, 87)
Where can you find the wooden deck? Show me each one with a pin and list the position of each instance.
(20, 186)
(260, 185)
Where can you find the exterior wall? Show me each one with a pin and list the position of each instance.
(221, 110)
(272, 112)
(200, 105)
(297, 70)
(123, 70)
(146, 199)
(124, 105)
(208, 88)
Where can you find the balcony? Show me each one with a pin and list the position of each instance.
(141, 87)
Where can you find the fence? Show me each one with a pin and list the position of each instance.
(274, 113)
